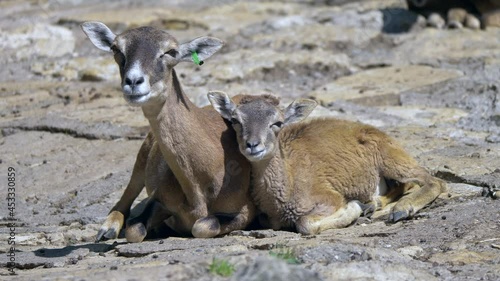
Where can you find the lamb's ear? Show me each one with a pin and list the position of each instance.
(222, 104)
(204, 47)
(99, 34)
(298, 110)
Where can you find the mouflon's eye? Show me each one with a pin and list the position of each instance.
(118, 55)
(171, 52)
(278, 124)
(235, 121)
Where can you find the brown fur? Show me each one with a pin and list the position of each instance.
(267, 97)
(189, 162)
(314, 171)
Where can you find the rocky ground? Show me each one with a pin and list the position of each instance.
(72, 139)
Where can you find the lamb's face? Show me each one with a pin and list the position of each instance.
(258, 121)
(257, 125)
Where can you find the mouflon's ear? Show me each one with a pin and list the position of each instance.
(222, 104)
(204, 47)
(99, 34)
(298, 110)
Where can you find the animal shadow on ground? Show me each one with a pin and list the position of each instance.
(398, 20)
(61, 252)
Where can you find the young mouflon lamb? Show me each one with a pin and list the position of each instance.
(323, 173)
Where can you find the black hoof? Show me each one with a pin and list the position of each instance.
(99, 235)
(368, 209)
(397, 216)
(104, 235)
(110, 234)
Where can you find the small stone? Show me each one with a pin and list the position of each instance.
(267, 268)
(113, 267)
(411, 251)
(443, 217)
(475, 155)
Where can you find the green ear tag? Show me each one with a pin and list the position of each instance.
(196, 60)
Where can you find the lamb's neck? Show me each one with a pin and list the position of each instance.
(270, 179)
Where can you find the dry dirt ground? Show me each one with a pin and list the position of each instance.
(72, 139)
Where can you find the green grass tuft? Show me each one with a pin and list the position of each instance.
(221, 267)
(284, 253)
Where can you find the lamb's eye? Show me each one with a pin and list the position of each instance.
(278, 124)
(235, 121)
(171, 52)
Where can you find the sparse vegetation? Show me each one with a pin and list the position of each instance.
(221, 267)
(284, 253)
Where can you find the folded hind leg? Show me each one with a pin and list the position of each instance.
(343, 217)
(223, 223)
(419, 186)
(389, 191)
(332, 210)
(240, 221)
(152, 217)
(396, 191)
(428, 189)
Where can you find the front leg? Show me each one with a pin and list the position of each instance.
(120, 212)
(185, 222)
(223, 223)
(186, 209)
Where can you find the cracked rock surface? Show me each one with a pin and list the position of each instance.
(72, 138)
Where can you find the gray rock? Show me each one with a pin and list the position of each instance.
(268, 65)
(462, 189)
(381, 86)
(267, 268)
(146, 248)
(375, 271)
(327, 254)
(56, 124)
(61, 109)
(38, 40)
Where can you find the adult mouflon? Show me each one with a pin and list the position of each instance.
(190, 163)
